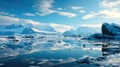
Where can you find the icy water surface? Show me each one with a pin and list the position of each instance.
(59, 52)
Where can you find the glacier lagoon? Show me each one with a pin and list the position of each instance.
(58, 52)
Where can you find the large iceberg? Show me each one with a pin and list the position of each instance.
(110, 29)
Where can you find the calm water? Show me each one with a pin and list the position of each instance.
(55, 52)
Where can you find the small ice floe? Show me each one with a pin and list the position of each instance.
(85, 60)
(33, 66)
(1, 64)
(32, 62)
(3, 39)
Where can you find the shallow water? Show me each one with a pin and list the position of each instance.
(59, 52)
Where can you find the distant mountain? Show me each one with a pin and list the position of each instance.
(60, 28)
(45, 27)
(32, 28)
(11, 29)
(29, 31)
(80, 31)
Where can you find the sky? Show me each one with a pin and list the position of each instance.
(68, 12)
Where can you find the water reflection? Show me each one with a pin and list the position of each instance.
(55, 52)
(110, 49)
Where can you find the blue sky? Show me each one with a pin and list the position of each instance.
(68, 12)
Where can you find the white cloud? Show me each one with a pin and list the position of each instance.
(76, 7)
(28, 14)
(109, 9)
(92, 25)
(108, 13)
(6, 14)
(109, 3)
(44, 7)
(59, 9)
(7, 20)
(88, 16)
(113, 13)
(80, 9)
(68, 14)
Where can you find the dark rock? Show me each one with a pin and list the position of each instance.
(96, 36)
(110, 29)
